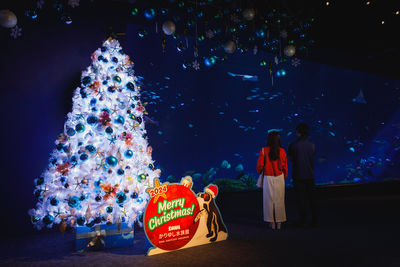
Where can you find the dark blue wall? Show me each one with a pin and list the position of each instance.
(40, 70)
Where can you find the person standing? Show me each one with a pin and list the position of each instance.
(272, 163)
(302, 152)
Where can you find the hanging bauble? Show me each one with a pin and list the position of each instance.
(91, 148)
(168, 27)
(141, 177)
(31, 13)
(263, 63)
(134, 11)
(48, 219)
(280, 73)
(86, 80)
(73, 202)
(70, 132)
(120, 172)
(128, 154)
(149, 13)
(289, 50)
(120, 120)
(117, 79)
(120, 198)
(142, 33)
(230, 47)
(109, 209)
(81, 220)
(73, 160)
(249, 14)
(134, 195)
(84, 157)
(66, 19)
(139, 200)
(139, 119)
(130, 86)
(7, 18)
(80, 128)
(98, 198)
(180, 47)
(260, 33)
(109, 130)
(112, 161)
(54, 201)
(35, 219)
(40, 180)
(209, 61)
(91, 120)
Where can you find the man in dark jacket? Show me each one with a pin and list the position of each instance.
(301, 153)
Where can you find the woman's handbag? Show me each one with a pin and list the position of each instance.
(260, 180)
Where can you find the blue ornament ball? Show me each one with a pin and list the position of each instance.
(48, 219)
(109, 130)
(91, 149)
(139, 200)
(81, 220)
(120, 120)
(121, 197)
(128, 154)
(84, 157)
(120, 172)
(91, 120)
(86, 80)
(112, 161)
(73, 202)
(54, 201)
(70, 132)
(149, 13)
(35, 219)
(130, 86)
(109, 209)
(117, 79)
(80, 128)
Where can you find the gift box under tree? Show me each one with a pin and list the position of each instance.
(103, 236)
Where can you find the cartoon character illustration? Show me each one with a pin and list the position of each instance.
(214, 219)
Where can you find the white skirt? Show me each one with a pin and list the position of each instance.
(274, 198)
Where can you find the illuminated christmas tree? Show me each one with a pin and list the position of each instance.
(102, 163)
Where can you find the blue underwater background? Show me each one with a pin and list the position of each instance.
(211, 124)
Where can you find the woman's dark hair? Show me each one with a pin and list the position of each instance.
(302, 129)
(274, 143)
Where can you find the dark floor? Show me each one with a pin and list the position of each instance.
(359, 226)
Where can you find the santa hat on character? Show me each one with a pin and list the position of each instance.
(212, 190)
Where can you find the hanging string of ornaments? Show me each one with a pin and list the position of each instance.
(209, 30)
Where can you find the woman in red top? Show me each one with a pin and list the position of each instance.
(273, 163)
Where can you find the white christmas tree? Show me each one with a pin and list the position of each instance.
(102, 163)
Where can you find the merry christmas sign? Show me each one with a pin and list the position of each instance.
(176, 218)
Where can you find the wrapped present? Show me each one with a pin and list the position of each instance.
(103, 236)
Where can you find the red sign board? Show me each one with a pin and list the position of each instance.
(173, 216)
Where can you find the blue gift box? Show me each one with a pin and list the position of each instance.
(103, 236)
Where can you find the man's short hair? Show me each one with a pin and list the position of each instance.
(303, 129)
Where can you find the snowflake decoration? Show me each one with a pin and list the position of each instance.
(73, 3)
(276, 60)
(16, 32)
(255, 50)
(39, 4)
(295, 62)
(196, 65)
(210, 34)
(130, 71)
